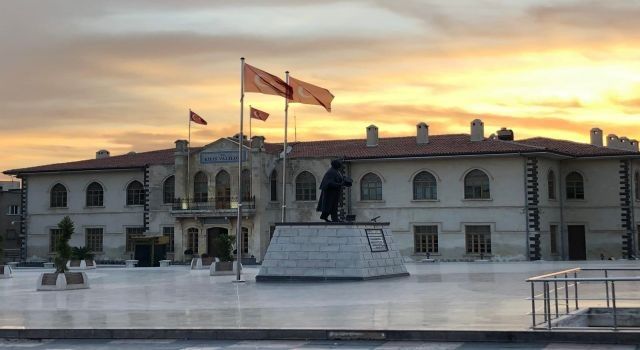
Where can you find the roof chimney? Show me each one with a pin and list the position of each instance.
(613, 141)
(477, 130)
(182, 147)
(505, 134)
(257, 142)
(624, 143)
(596, 137)
(634, 145)
(372, 135)
(422, 136)
(103, 153)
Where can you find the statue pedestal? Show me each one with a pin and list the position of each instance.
(331, 251)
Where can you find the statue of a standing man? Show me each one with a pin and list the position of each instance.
(331, 187)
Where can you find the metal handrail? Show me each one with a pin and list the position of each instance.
(550, 283)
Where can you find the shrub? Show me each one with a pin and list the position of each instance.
(63, 250)
(224, 243)
(81, 253)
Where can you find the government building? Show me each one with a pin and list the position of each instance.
(447, 197)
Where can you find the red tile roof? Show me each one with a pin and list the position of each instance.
(392, 147)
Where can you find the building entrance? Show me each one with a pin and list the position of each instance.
(212, 234)
(577, 242)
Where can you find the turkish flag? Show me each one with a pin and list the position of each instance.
(310, 94)
(196, 118)
(257, 80)
(258, 114)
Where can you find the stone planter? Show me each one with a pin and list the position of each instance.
(48, 265)
(81, 265)
(51, 281)
(165, 263)
(221, 268)
(5, 271)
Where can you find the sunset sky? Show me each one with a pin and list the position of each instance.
(78, 76)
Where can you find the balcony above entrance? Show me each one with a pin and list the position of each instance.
(212, 207)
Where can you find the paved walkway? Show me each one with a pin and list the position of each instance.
(126, 344)
(456, 296)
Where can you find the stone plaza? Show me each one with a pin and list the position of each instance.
(436, 296)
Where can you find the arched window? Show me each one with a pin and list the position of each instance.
(371, 188)
(575, 186)
(476, 185)
(246, 185)
(58, 196)
(95, 195)
(200, 187)
(135, 193)
(169, 190)
(223, 190)
(636, 184)
(425, 186)
(551, 184)
(192, 240)
(305, 187)
(273, 182)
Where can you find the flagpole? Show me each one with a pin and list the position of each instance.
(284, 154)
(188, 158)
(250, 153)
(239, 199)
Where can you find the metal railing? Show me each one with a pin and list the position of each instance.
(567, 282)
(210, 204)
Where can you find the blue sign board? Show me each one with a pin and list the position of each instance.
(221, 157)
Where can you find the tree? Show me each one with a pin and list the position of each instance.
(63, 250)
(225, 247)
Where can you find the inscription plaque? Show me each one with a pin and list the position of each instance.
(377, 242)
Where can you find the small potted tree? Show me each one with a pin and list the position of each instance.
(5, 270)
(81, 259)
(62, 279)
(224, 265)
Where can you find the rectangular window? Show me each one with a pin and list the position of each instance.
(553, 239)
(133, 232)
(478, 239)
(192, 240)
(425, 239)
(54, 238)
(14, 210)
(93, 239)
(245, 241)
(168, 231)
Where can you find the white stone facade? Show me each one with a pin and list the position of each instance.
(504, 211)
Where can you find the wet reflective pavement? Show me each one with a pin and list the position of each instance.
(456, 296)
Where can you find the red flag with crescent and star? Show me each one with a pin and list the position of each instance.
(257, 80)
(258, 114)
(310, 94)
(196, 118)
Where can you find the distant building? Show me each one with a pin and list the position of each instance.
(454, 197)
(10, 219)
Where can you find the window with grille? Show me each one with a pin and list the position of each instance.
(371, 188)
(58, 198)
(305, 187)
(425, 186)
(478, 239)
(200, 187)
(245, 240)
(273, 181)
(553, 239)
(476, 185)
(575, 186)
(54, 237)
(93, 239)
(133, 232)
(169, 190)
(636, 185)
(168, 231)
(551, 184)
(192, 240)
(95, 195)
(246, 185)
(135, 193)
(425, 239)
(13, 210)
